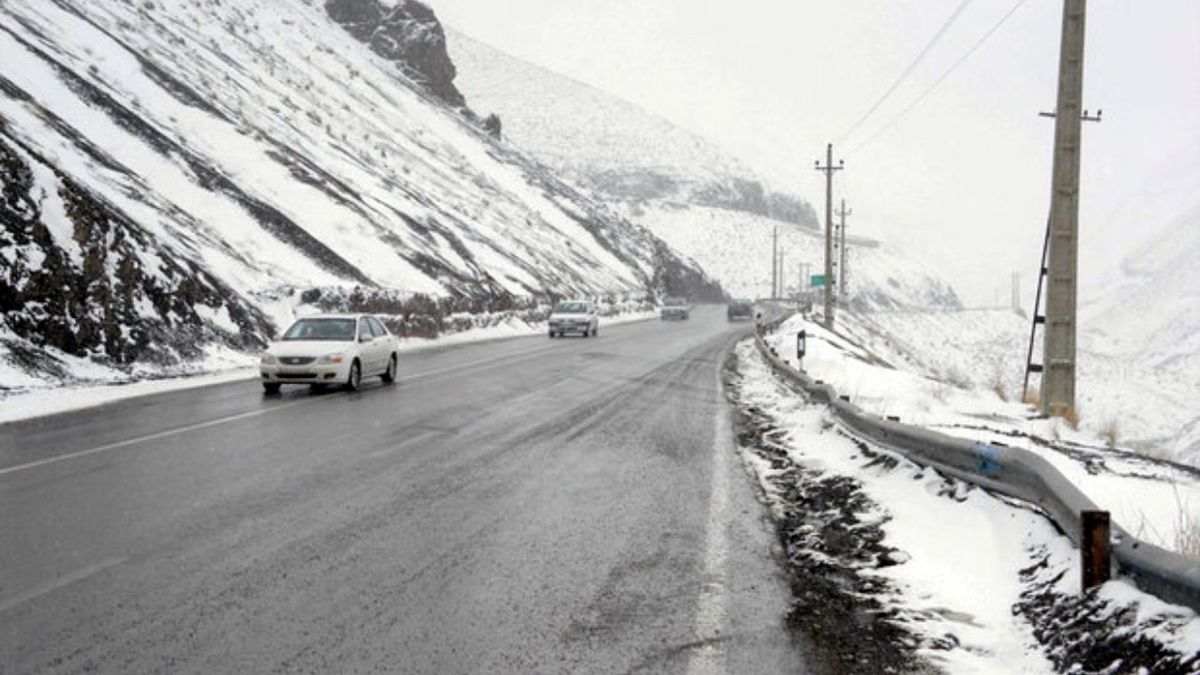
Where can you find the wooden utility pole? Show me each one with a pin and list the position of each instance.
(843, 212)
(1058, 354)
(829, 168)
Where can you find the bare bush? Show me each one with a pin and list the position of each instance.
(1110, 433)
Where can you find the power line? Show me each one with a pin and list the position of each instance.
(907, 71)
(892, 122)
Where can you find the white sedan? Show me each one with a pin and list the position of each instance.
(330, 349)
(574, 316)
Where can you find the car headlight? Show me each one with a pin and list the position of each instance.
(268, 359)
(331, 358)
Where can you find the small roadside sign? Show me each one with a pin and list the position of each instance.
(818, 281)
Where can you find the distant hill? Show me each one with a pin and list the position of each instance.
(608, 145)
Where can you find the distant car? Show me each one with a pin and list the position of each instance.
(330, 349)
(675, 308)
(740, 309)
(574, 316)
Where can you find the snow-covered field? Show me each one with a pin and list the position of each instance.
(964, 573)
(939, 370)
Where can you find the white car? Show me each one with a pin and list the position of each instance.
(675, 308)
(328, 349)
(574, 316)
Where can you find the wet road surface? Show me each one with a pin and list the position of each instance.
(525, 506)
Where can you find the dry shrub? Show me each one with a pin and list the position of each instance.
(1000, 389)
(1071, 417)
(1187, 535)
(1110, 433)
(1032, 397)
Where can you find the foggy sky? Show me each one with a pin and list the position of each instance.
(963, 180)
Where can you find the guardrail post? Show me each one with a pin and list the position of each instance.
(1095, 551)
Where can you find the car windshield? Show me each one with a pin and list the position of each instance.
(570, 308)
(674, 302)
(334, 330)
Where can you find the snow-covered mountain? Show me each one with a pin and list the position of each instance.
(1146, 323)
(177, 174)
(608, 145)
(708, 205)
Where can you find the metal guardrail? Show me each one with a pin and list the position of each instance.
(1013, 472)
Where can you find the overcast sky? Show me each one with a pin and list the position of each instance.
(962, 179)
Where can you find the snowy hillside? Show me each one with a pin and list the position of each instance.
(607, 144)
(735, 248)
(176, 174)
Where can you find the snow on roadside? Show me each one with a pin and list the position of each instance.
(23, 396)
(947, 386)
(981, 583)
(979, 543)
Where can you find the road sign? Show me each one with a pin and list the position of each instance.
(818, 281)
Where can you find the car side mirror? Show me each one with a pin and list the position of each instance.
(365, 338)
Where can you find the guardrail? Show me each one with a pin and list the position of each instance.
(1013, 472)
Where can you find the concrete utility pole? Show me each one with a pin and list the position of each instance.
(843, 212)
(774, 259)
(1058, 355)
(829, 168)
(779, 267)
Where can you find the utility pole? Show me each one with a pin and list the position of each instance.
(842, 243)
(829, 168)
(782, 290)
(1058, 354)
(774, 259)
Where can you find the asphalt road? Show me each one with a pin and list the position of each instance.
(524, 506)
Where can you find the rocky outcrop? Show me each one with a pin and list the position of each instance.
(406, 33)
(78, 276)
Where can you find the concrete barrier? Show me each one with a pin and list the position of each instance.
(1013, 472)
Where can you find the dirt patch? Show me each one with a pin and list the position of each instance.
(829, 530)
(1091, 634)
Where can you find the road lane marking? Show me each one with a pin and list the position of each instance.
(65, 580)
(150, 437)
(711, 619)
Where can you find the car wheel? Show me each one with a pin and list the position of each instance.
(355, 378)
(271, 387)
(551, 335)
(389, 375)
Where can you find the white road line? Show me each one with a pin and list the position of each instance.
(66, 580)
(150, 437)
(710, 622)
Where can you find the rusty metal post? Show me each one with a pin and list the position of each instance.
(1094, 548)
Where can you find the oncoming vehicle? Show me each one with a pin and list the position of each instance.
(675, 308)
(740, 309)
(574, 316)
(330, 349)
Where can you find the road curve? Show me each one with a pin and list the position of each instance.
(526, 506)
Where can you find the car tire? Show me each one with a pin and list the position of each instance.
(271, 387)
(551, 335)
(389, 375)
(354, 380)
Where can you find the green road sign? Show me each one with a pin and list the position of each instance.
(818, 281)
